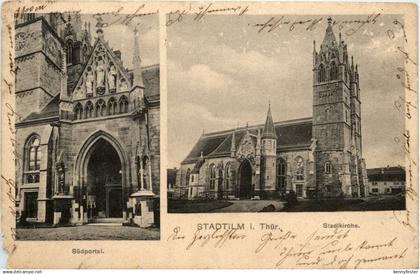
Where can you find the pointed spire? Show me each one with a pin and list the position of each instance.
(329, 38)
(137, 70)
(269, 131)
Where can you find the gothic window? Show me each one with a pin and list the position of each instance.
(100, 108)
(32, 159)
(333, 71)
(78, 112)
(327, 168)
(281, 175)
(347, 114)
(112, 106)
(187, 177)
(123, 104)
(299, 169)
(321, 73)
(89, 110)
(212, 176)
(69, 46)
(228, 172)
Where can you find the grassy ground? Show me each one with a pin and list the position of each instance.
(366, 204)
(88, 232)
(185, 206)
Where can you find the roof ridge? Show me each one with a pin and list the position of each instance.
(278, 123)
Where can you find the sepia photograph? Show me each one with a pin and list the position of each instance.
(88, 132)
(209, 135)
(285, 114)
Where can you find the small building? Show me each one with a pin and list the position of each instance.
(386, 180)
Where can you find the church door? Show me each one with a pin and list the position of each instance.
(104, 182)
(245, 180)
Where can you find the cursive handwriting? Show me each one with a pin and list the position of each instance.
(356, 25)
(218, 237)
(274, 23)
(199, 13)
(107, 19)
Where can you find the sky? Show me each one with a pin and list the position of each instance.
(121, 37)
(222, 73)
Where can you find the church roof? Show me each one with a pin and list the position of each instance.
(151, 80)
(396, 173)
(49, 111)
(291, 134)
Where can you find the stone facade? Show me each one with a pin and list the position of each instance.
(89, 138)
(316, 157)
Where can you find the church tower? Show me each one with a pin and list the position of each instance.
(39, 61)
(268, 155)
(336, 118)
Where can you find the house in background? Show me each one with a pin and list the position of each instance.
(386, 180)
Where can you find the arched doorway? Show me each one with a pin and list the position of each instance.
(104, 182)
(245, 180)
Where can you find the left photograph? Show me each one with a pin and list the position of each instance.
(88, 133)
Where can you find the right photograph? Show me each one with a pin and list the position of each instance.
(290, 113)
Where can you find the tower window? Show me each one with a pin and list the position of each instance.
(321, 73)
(327, 168)
(69, 52)
(333, 71)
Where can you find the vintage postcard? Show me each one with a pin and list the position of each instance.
(209, 135)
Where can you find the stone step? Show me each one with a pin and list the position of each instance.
(106, 221)
(105, 224)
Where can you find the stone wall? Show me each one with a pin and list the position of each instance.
(154, 133)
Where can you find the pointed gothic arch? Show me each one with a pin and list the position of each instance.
(333, 71)
(78, 112)
(321, 73)
(84, 155)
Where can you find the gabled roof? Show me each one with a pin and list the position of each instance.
(386, 174)
(117, 62)
(290, 134)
